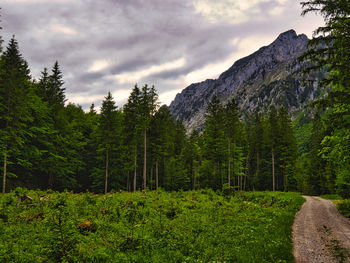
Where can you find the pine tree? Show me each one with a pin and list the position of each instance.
(62, 139)
(148, 103)
(108, 126)
(233, 129)
(317, 164)
(161, 135)
(43, 84)
(255, 133)
(55, 92)
(274, 134)
(288, 150)
(215, 141)
(14, 83)
(133, 130)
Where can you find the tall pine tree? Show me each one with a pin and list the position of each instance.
(14, 83)
(108, 126)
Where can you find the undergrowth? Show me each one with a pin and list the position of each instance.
(194, 226)
(344, 207)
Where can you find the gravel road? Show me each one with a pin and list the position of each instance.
(320, 233)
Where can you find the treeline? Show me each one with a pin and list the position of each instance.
(258, 154)
(47, 144)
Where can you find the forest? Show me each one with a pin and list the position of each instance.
(131, 184)
(46, 143)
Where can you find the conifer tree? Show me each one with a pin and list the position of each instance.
(317, 164)
(133, 129)
(108, 126)
(148, 103)
(14, 83)
(232, 130)
(274, 134)
(288, 150)
(214, 140)
(192, 156)
(255, 137)
(161, 135)
(55, 90)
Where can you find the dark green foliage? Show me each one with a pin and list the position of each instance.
(110, 148)
(272, 152)
(14, 106)
(139, 111)
(344, 207)
(288, 150)
(330, 49)
(214, 143)
(147, 227)
(176, 177)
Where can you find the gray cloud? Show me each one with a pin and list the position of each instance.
(131, 36)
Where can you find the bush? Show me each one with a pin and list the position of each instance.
(344, 208)
(343, 183)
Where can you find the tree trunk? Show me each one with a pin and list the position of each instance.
(245, 181)
(106, 181)
(135, 163)
(144, 159)
(128, 182)
(229, 163)
(257, 163)
(241, 176)
(273, 170)
(151, 176)
(193, 175)
(214, 177)
(157, 175)
(164, 172)
(4, 175)
(51, 180)
(221, 174)
(246, 172)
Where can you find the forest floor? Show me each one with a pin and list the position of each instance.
(320, 233)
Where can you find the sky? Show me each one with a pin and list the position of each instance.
(110, 45)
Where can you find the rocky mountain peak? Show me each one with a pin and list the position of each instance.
(287, 36)
(271, 75)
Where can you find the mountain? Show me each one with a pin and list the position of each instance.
(270, 76)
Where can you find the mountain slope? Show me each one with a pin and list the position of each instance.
(271, 75)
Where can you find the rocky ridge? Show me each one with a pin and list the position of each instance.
(270, 76)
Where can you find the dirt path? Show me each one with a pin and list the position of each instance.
(320, 233)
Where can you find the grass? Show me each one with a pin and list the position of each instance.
(332, 197)
(343, 205)
(194, 226)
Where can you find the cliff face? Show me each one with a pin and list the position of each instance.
(270, 76)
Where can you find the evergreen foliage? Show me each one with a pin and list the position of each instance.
(14, 108)
(330, 48)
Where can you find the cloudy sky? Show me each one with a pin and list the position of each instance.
(109, 45)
